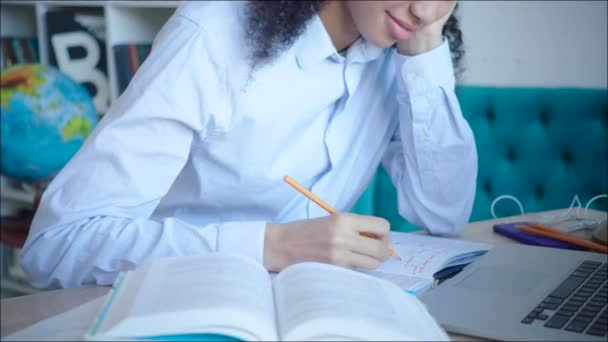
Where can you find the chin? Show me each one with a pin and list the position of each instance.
(385, 43)
(381, 39)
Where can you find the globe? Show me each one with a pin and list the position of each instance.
(44, 119)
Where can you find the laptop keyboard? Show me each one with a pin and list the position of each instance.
(578, 304)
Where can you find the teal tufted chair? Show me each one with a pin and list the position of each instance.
(541, 145)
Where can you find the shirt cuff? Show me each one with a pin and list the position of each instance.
(427, 70)
(245, 238)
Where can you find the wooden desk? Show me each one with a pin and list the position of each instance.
(20, 312)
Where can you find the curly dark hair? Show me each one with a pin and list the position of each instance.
(273, 26)
(452, 32)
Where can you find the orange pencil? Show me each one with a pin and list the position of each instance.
(326, 206)
(541, 230)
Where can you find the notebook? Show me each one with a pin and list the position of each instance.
(231, 297)
(423, 257)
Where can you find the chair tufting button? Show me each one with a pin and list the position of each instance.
(490, 116)
(511, 154)
(566, 157)
(487, 186)
(539, 191)
(544, 118)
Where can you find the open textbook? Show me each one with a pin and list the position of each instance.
(422, 256)
(194, 297)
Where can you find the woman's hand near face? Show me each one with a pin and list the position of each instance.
(427, 37)
(333, 239)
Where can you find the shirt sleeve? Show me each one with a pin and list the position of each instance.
(431, 159)
(94, 219)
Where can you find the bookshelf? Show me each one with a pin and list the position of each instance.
(124, 22)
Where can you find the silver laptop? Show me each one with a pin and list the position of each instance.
(520, 292)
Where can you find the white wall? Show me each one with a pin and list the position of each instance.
(535, 43)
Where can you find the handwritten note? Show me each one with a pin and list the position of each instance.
(423, 255)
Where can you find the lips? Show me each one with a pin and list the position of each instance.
(398, 29)
(401, 23)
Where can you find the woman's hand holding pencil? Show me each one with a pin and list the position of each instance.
(343, 239)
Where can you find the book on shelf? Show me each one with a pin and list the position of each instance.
(77, 47)
(18, 50)
(423, 257)
(143, 50)
(221, 296)
(128, 58)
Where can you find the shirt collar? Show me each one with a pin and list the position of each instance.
(315, 45)
(362, 51)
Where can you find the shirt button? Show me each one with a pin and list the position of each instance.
(410, 76)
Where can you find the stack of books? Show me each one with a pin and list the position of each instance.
(128, 58)
(18, 50)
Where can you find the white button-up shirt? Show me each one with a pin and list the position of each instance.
(190, 159)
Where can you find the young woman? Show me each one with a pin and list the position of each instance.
(236, 95)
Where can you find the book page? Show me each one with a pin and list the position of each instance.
(414, 285)
(219, 294)
(317, 301)
(423, 255)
